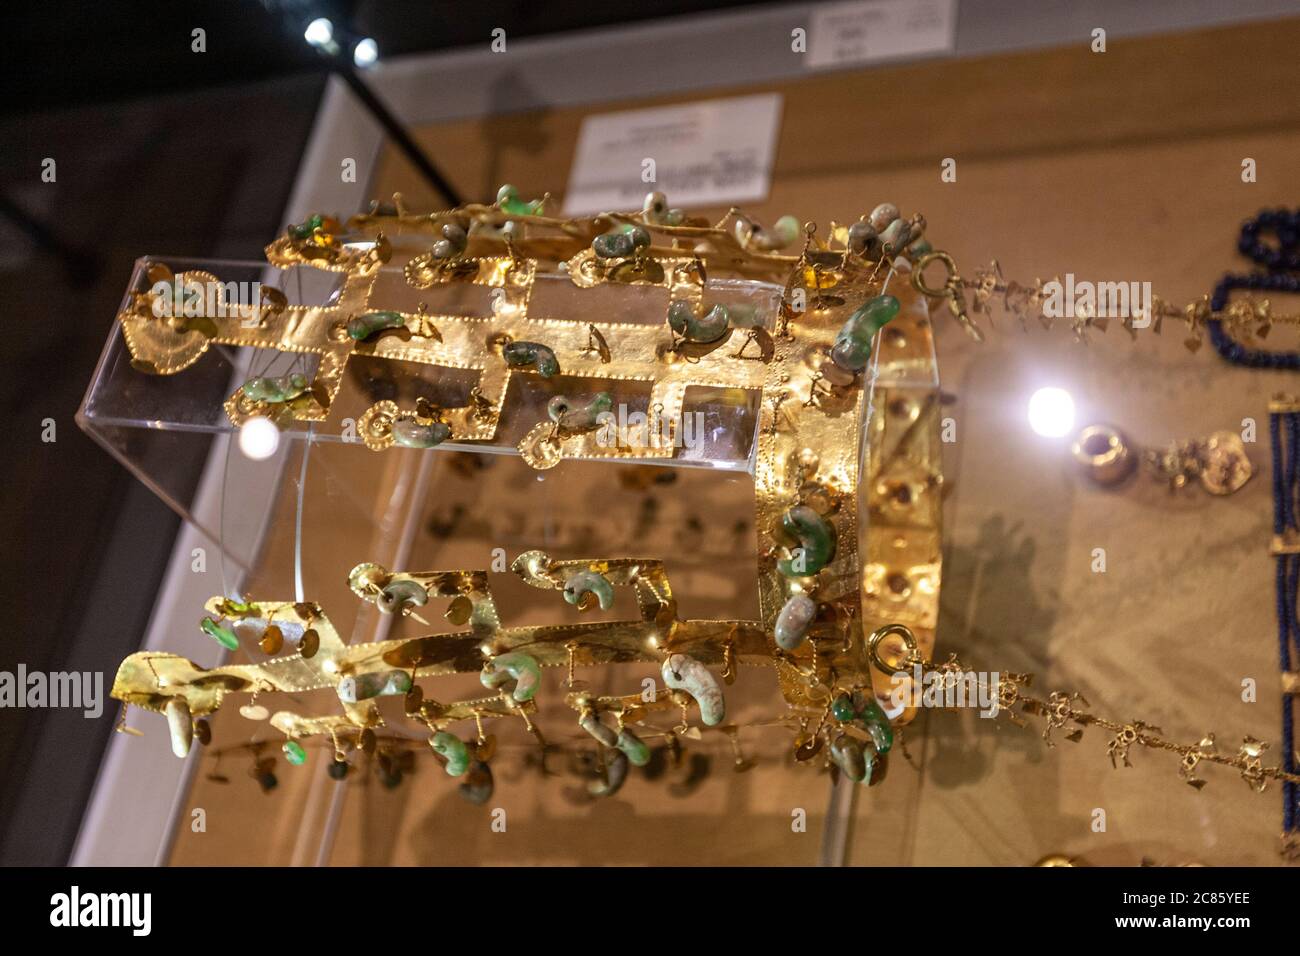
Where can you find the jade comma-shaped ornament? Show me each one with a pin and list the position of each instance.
(852, 348)
(816, 542)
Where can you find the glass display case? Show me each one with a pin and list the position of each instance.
(290, 516)
(1150, 602)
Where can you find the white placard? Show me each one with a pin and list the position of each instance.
(711, 153)
(865, 31)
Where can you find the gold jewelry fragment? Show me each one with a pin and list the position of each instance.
(1219, 462)
(1104, 454)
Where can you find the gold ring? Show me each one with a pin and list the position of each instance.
(1103, 453)
(918, 273)
(909, 641)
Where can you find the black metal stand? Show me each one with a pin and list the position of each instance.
(396, 132)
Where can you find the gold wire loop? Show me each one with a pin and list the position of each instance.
(909, 641)
(918, 274)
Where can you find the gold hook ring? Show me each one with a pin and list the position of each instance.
(918, 274)
(909, 641)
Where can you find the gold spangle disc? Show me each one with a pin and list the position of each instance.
(272, 640)
(808, 749)
(1227, 466)
(254, 712)
(459, 611)
(636, 271)
(375, 427)
(540, 448)
(424, 271)
(366, 579)
(585, 269)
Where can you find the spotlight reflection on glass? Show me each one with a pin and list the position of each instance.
(1051, 412)
(366, 53)
(320, 32)
(259, 438)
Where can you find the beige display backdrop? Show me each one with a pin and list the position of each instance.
(1122, 166)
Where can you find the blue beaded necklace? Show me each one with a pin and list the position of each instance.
(1281, 262)
(1284, 434)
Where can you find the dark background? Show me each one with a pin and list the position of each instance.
(158, 150)
(98, 52)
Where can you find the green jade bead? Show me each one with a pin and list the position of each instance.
(852, 348)
(816, 542)
(398, 595)
(294, 753)
(451, 747)
(621, 243)
(355, 688)
(592, 725)
(861, 236)
(850, 756)
(521, 668)
(412, 434)
(584, 582)
(509, 201)
(869, 755)
(363, 327)
(872, 719)
(655, 209)
(783, 233)
(531, 355)
(222, 635)
(180, 725)
(842, 708)
(637, 750)
(793, 621)
(305, 229)
(283, 389)
(616, 765)
(896, 236)
(703, 329)
(453, 242)
(681, 672)
(578, 418)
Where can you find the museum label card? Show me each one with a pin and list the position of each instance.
(864, 31)
(710, 153)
